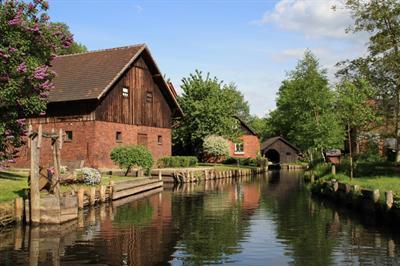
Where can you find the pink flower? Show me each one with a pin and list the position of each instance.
(35, 28)
(21, 121)
(47, 85)
(12, 49)
(21, 68)
(40, 72)
(42, 113)
(31, 7)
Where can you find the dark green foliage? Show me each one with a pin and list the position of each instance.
(132, 156)
(259, 162)
(305, 112)
(177, 161)
(209, 107)
(140, 214)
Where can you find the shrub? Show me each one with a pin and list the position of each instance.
(216, 147)
(132, 156)
(89, 176)
(258, 162)
(177, 161)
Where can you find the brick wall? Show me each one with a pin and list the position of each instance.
(251, 146)
(93, 141)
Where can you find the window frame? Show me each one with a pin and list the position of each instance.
(239, 148)
(69, 136)
(118, 136)
(125, 92)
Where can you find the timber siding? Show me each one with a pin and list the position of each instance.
(145, 105)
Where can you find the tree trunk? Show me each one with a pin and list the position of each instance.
(127, 170)
(323, 155)
(397, 133)
(350, 151)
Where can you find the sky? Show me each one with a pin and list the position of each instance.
(251, 43)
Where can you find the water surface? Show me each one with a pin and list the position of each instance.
(263, 220)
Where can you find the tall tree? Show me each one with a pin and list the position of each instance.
(209, 108)
(381, 19)
(355, 108)
(304, 113)
(28, 43)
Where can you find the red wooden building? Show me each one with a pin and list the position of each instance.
(107, 98)
(248, 145)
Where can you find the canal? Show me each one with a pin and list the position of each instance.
(263, 220)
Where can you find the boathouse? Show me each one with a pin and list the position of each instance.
(279, 150)
(248, 145)
(103, 99)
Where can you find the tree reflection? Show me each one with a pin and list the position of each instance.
(308, 231)
(211, 225)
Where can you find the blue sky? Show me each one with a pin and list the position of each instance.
(251, 43)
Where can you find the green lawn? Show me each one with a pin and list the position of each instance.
(12, 184)
(383, 183)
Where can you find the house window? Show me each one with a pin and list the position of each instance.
(239, 148)
(125, 92)
(159, 139)
(118, 136)
(149, 97)
(68, 135)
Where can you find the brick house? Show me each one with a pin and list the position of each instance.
(103, 99)
(248, 145)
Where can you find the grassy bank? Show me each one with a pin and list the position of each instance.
(370, 175)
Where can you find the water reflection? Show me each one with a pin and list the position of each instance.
(264, 220)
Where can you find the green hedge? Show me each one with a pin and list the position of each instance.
(177, 161)
(259, 162)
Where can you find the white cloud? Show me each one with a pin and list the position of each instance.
(313, 18)
(297, 53)
(139, 9)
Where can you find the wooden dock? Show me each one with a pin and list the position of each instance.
(188, 175)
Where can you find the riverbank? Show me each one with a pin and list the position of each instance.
(379, 194)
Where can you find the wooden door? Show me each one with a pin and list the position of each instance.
(142, 139)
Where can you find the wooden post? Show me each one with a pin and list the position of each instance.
(81, 194)
(102, 194)
(19, 210)
(333, 169)
(34, 178)
(389, 199)
(111, 186)
(376, 195)
(34, 241)
(55, 187)
(159, 175)
(92, 196)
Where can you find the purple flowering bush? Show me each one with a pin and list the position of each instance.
(28, 43)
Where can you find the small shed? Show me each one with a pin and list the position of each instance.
(333, 156)
(279, 150)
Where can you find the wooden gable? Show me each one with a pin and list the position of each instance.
(143, 104)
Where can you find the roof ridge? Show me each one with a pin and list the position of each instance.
(103, 50)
